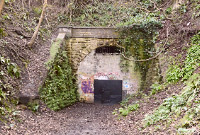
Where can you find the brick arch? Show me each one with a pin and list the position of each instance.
(79, 48)
(81, 42)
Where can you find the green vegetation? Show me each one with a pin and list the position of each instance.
(125, 110)
(2, 33)
(6, 90)
(155, 88)
(125, 102)
(127, 106)
(191, 63)
(184, 106)
(173, 73)
(103, 14)
(177, 103)
(59, 89)
(11, 68)
(107, 13)
(34, 105)
(196, 6)
(4, 109)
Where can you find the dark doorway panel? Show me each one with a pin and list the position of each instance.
(109, 49)
(108, 91)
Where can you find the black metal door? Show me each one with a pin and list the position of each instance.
(108, 91)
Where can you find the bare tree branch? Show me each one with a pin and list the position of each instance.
(38, 26)
(1, 5)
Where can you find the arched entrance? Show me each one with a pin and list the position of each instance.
(100, 78)
(94, 56)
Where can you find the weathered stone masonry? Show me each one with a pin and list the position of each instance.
(103, 67)
(89, 66)
(79, 48)
(81, 43)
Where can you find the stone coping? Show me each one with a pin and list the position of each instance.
(83, 27)
(89, 32)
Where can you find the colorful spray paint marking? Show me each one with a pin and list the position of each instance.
(126, 84)
(86, 86)
(106, 76)
(87, 81)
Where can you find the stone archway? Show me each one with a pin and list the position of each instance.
(79, 48)
(103, 66)
(81, 45)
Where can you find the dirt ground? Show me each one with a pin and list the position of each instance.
(79, 119)
(86, 119)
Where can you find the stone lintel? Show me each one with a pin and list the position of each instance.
(89, 32)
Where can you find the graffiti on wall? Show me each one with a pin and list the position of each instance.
(127, 85)
(86, 86)
(106, 76)
(87, 81)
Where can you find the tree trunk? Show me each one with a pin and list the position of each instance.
(177, 3)
(38, 26)
(1, 5)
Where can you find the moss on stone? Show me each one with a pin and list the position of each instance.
(54, 50)
(138, 44)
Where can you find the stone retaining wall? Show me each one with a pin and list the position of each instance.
(81, 43)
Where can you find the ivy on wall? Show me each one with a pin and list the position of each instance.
(137, 37)
(59, 90)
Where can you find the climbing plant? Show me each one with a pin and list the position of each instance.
(138, 38)
(59, 89)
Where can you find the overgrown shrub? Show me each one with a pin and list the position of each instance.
(59, 89)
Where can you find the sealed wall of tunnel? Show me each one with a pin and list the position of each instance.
(103, 66)
(95, 54)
